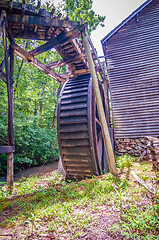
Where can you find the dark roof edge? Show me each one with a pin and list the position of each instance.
(110, 34)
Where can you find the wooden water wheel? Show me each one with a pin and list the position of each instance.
(79, 130)
(79, 133)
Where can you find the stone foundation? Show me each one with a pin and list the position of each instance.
(131, 146)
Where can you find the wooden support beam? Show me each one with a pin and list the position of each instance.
(106, 98)
(56, 64)
(103, 122)
(33, 35)
(101, 70)
(63, 37)
(2, 74)
(63, 62)
(96, 56)
(0, 34)
(10, 112)
(2, 65)
(35, 62)
(11, 80)
(42, 21)
(3, 77)
(1, 20)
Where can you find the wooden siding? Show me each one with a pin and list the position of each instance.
(132, 54)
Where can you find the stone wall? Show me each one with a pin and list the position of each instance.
(131, 146)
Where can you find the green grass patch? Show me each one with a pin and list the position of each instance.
(49, 205)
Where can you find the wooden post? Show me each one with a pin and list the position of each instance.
(1, 19)
(106, 95)
(10, 106)
(0, 34)
(103, 122)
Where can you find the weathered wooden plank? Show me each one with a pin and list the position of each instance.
(77, 158)
(77, 100)
(70, 91)
(18, 33)
(71, 135)
(35, 62)
(42, 21)
(63, 37)
(73, 143)
(73, 113)
(83, 151)
(74, 106)
(6, 149)
(73, 119)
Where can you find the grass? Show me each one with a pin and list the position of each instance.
(50, 208)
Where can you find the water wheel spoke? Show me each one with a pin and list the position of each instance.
(97, 121)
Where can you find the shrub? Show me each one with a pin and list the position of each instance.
(33, 146)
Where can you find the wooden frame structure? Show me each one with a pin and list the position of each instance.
(19, 20)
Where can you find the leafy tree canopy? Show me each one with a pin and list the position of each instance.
(83, 9)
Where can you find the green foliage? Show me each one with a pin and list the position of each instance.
(75, 209)
(33, 145)
(35, 102)
(82, 9)
(124, 161)
(36, 143)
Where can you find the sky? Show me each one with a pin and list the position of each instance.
(115, 11)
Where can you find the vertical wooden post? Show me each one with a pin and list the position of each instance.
(10, 107)
(1, 19)
(106, 95)
(0, 34)
(103, 122)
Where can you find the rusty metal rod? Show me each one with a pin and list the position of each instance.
(104, 127)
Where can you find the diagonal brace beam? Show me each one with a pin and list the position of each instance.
(2, 74)
(35, 62)
(3, 77)
(65, 61)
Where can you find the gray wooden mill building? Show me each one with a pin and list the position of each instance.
(132, 56)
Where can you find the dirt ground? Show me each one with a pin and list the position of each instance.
(44, 169)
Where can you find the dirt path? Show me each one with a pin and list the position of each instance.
(44, 169)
